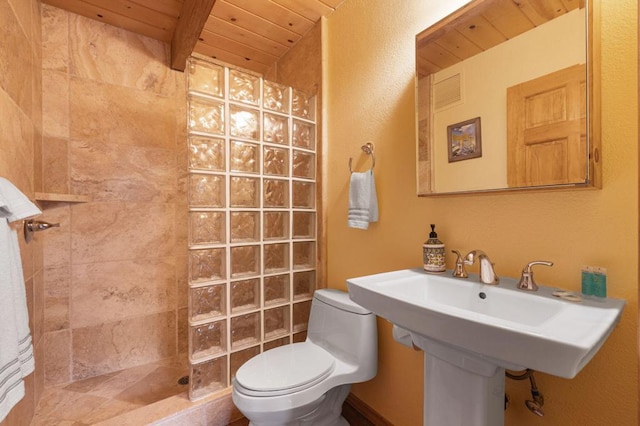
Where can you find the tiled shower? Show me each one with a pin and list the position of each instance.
(109, 294)
(252, 219)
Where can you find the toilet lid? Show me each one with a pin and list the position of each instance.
(286, 368)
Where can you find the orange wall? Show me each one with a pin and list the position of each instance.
(369, 95)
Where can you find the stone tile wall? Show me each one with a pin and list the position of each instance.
(20, 142)
(115, 271)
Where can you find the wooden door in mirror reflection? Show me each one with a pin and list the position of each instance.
(547, 129)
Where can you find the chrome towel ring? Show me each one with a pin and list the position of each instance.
(367, 149)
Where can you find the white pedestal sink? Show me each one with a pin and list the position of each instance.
(471, 332)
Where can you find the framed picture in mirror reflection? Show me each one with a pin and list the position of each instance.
(464, 140)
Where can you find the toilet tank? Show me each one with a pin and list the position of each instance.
(344, 328)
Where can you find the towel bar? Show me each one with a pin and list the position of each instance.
(367, 149)
(30, 226)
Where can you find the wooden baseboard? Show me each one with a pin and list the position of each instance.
(358, 413)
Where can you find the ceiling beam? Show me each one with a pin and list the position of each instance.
(191, 21)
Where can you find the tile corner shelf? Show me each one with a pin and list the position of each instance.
(63, 198)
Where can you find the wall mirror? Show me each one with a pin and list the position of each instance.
(507, 98)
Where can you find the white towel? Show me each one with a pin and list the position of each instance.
(16, 349)
(14, 205)
(363, 201)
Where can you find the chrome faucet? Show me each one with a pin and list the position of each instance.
(487, 273)
(526, 280)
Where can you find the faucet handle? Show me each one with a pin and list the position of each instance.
(459, 271)
(526, 280)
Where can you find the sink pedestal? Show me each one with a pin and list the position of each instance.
(460, 388)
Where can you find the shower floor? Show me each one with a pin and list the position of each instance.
(96, 399)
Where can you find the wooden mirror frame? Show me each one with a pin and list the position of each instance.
(424, 169)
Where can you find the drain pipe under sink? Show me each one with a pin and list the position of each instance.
(535, 404)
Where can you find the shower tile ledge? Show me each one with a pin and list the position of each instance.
(179, 409)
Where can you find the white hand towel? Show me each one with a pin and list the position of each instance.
(14, 205)
(16, 349)
(11, 384)
(363, 200)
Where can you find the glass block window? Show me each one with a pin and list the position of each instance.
(252, 219)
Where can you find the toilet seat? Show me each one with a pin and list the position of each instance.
(284, 370)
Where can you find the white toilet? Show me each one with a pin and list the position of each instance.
(306, 383)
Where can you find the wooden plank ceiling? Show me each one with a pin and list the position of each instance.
(252, 34)
(462, 35)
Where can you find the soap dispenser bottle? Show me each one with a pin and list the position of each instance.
(433, 254)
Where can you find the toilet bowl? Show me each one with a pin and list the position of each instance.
(306, 383)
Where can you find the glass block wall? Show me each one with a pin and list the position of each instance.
(252, 219)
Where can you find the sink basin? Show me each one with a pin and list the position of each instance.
(510, 328)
